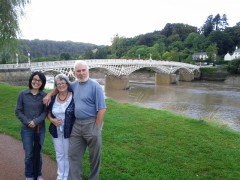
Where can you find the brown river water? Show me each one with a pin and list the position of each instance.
(211, 101)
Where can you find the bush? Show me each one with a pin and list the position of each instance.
(234, 67)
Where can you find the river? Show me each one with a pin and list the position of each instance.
(211, 101)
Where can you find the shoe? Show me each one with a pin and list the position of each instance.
(40, 178)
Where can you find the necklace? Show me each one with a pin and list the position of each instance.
(64, 98)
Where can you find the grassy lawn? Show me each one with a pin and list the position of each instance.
(144, 143)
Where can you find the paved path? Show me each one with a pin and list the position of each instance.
(12, 157)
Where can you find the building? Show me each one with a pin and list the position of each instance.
(200, 56)
(235, 55)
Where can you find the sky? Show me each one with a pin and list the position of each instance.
(98, 21)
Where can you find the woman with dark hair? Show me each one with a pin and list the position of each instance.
(31, 111)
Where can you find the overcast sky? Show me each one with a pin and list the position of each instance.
(98, 21)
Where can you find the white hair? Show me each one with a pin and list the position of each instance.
(61, 77)
(78, 62)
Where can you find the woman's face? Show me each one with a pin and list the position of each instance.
(36, 82)
(62, 86)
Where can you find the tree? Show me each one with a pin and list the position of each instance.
(234, 66)
(222, 40)
(212, 52)
(88, 55)
(208, 26)
(182, 30)
(65, 56)
(196, 42)
(224, 22)
(10, 12)
(217, 22)
(101, 53)
(120, 46)
(234, 33)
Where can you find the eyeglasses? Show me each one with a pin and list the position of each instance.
(61, 84)
(37, 80)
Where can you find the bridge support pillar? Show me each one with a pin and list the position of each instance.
(114, 82)
(165, 78)
(186, 77)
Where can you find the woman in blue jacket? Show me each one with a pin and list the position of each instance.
(61, 115)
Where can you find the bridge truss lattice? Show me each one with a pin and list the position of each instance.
(115, 67)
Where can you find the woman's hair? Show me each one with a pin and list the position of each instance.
(41, 76)
(61, 77)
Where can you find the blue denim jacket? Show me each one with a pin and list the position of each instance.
(68, 122)
(30, 107)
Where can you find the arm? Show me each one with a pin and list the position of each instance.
(41, 117)
(55, 121)
(19, 111)
(47, 98)
(100, 116)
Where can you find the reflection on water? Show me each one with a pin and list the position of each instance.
(213, 101)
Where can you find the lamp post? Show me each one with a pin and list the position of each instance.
(150, 57)
(29, 60)
(16, 59)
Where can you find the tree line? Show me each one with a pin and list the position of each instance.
(175, 42)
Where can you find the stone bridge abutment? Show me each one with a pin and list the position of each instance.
(15, 76)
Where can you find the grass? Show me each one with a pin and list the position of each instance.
(144, 143)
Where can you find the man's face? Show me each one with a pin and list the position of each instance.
(81, 73)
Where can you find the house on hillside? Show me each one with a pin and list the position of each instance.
(200, 56)
(235, 55)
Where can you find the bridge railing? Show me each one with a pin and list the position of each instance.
(15, 66)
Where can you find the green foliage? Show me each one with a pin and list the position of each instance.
(222, 40)
(216, 23)
(47, 48)
(212, 52)
(234, 66)
(10, 12)
(209, 70)
(196, 42)
(65, 56)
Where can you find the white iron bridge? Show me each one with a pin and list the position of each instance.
(115, 67)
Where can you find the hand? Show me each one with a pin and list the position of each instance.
(57, 121)
(99, 124)
(47, 100)
(31, 124)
